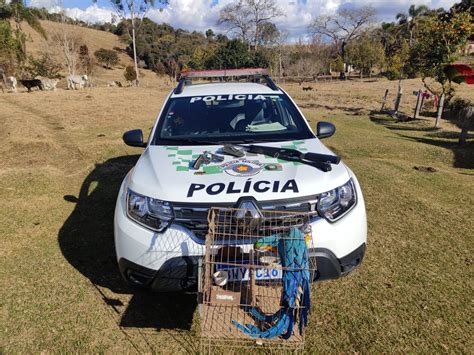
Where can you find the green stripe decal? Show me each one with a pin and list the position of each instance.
(212, 169)
(185, 152)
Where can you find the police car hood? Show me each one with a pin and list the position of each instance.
(164, 172)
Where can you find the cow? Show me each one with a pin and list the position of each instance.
(114, 84)
(48, 84)
(75, 82)
(29, 84)
(11, 83)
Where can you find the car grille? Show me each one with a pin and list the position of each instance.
(195, 216)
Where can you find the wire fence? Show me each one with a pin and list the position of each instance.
(254, 279)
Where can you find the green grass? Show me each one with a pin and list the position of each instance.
(59, 285)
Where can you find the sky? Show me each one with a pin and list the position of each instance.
(200, 15)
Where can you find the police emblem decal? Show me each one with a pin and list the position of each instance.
(242, 167)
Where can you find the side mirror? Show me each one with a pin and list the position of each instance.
(325, 129)
(134, 138)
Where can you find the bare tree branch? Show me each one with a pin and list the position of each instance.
(248, 18)
(346, 25)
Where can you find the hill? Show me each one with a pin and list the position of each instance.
(94, 39)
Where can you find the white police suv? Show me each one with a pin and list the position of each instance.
(241, 144)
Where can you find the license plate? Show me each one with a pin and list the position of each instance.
(241, 273)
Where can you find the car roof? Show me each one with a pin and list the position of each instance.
(213, 89)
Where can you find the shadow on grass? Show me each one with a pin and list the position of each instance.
(355, 111)
(86, 241)
(463, 154)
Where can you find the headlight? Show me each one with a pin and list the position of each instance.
(334, 204)
(154, 214)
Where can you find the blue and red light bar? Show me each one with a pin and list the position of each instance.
(190, 74)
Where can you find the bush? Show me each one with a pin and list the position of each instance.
(391, 74)
(130, 74)
(108, 57)
(461, 113)
(44, 66)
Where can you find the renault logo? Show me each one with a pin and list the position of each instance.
(247, 216)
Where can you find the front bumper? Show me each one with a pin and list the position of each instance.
(168, 261)
(181, 273)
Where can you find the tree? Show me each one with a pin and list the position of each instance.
(17, 11)
(108, 57)
(210, 34)
(232, 55)
(130, 74)
(411, 19)
(235, 55)
(10, 48)
(200, 57)
(365, 53)
(269, 34)
(309, 60)
(45, 66)
(440, 42)
(68, 41)
(248, 18)
(85, 61)
(137, 10)
(347, 25)
(396, 50)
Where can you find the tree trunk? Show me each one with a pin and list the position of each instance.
(384, 100)
(132, 15)
(342, 75)
(439, 114)
(280, 66)
(361, 75)
(255, 46)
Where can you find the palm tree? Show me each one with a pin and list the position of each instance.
(19, 12)
(415, 13)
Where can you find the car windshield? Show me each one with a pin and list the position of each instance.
(231, 118)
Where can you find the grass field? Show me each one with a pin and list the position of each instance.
(61, 164)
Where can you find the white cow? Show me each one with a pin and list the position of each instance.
(48, 84)
(114, 84)
(11, 83)
(75, 82)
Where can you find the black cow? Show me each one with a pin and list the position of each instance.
(29, 84)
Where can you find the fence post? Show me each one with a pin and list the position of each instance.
(419, 100)
(422, 100)
(399, 99)
(384, 100)
(440, 110)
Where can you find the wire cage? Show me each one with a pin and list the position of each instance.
(254, 279)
